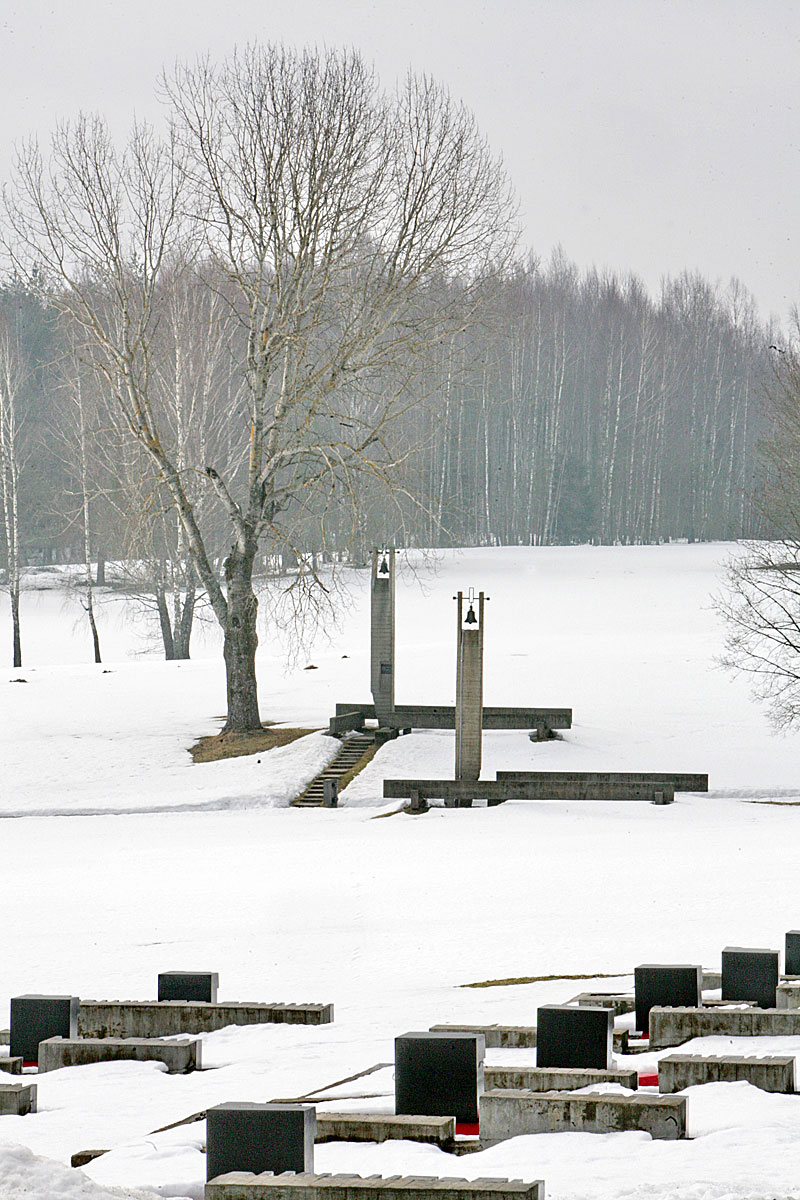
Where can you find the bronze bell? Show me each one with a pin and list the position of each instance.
(470, 618)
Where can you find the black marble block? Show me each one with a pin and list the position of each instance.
(749, 974)
(792, 960)
(439, 1074)
(188, 985)
(672, 986)
(260, 1137)
(36, 1018)
(574, 1036)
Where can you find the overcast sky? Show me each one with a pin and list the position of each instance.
(646, 135)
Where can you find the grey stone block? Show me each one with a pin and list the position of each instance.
(260, 1137)
(167, 1018)
(375, 1127)
(188, 985)
(179, 1057)
(34, 1018)
(570, 1036)
(553, 1079)
(712, 980)
(17, 1099)
(12, 1066)
(513, 1113)
(750, 974)
(439, 1074)
(674, 1026)
(666, 986)
(240, 1185)
(679, 1071)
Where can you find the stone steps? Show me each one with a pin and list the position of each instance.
(353, 750)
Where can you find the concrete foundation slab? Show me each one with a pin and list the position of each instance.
(17, 1099)
(179, 1057)
(674, 1026)
(166, 1018)
(240, 1185)
(679, 1071)
(553, 1079)
(510, 1114)
(372, 1127)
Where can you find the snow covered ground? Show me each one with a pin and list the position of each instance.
(120, 858)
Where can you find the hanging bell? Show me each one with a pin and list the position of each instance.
(470, 618)
(383, 569)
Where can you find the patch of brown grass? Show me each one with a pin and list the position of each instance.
(540, 979)
(235, 745)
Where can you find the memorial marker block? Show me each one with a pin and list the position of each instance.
(438, 1074)
(17, 1099)
(792, 958)
(568, 1036)
(188, 985)
(677, 986)
(260, 1137)
(36, 1018)
(749, 974)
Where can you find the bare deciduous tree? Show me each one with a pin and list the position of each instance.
(11, 379)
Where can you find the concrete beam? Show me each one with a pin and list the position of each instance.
(179, 1057)
(674, 1026)
(166, 1018)
(375, 1127)
(679, 1071)
(443, 716)
(241, 1185)
(553, 1079)
(511, 1114)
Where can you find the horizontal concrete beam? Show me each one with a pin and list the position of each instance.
(344, 722)
(17, 1099)
(179, 1057)
(680, 782)
(511, 1114)
(242, 1185)
(679, 1071)
(553, 1079)
(498, 790)
(517, 1037)
(620, 1002)
(442, 716)
(166, 1018)
(372, 1127)
(674, 1026)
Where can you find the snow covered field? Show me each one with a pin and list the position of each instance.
(120, 858)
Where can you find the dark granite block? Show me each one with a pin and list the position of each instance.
(260, 1137)
(678, 986)
(568, 1036)
(188, 985)
(36, 1018)
(439, 1074)
(749, 974)
(792, 959)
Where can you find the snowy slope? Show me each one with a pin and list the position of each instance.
(388, 917)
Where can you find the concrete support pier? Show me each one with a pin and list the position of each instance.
(382, 587)
(469, 688)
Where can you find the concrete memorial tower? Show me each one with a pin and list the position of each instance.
(382, 633)
(469, 687)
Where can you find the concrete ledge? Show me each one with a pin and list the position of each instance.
(372, 1127)
(518, 1037)
(553, 1079)
(674, 1026)
(13, 1066)
(166, 1018)
(178, 1057)
(553, 787)
(620, 1002)
(510, 1114)
(242, 1185)
(17, 1099)
(679, 1071)
(443, 716)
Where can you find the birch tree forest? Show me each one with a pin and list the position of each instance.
(578, 408)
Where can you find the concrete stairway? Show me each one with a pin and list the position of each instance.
(354, 747)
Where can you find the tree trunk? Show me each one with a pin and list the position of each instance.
(166, 624)
(241, 640)
(183, 629)
(101, 568)
(14, 595)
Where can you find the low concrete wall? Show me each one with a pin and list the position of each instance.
(12, 1066)
(553, 1079)
(179, 1057)
(17, 1099)
(510, 1114)
(674, 1026)
(522, 1037)
(165, 1018)
(372, 1127)
(620, 1002)
(242, 1185)
(679, 1071)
